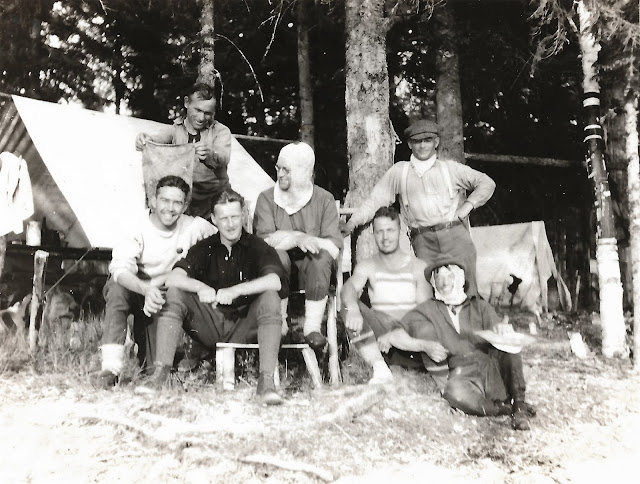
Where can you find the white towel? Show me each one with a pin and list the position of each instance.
(16, 196)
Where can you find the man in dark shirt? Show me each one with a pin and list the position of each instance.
(225, 290)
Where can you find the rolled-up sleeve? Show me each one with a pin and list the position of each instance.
(264, 223)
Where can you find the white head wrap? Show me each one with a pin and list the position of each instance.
(300, 160)
(457, 295)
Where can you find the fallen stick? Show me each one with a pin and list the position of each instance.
(355, 406)
(290, 465)
(169, 438)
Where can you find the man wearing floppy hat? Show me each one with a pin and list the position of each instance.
(300, 220)
(436, 197)
(485, 375)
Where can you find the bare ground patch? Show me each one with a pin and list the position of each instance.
(57, 428)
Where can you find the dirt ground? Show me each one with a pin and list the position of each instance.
(58, 428)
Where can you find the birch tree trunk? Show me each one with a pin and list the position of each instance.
(369, 141)
(633, 185)
(448, 97)
(307, 128)
(611, 312)
(206, 68)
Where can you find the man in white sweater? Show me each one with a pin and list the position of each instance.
(139, 266)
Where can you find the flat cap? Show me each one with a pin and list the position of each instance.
(421, 129)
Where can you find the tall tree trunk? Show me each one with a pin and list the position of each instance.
(206, 69)
(369, 141)
(307, 128)
(633, 180)
(611, 313)
(448, 97)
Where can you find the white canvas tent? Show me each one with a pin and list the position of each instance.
(85, 171)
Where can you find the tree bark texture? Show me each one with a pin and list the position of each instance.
(448, 97)
(369, 141)
(3, 251)
(611, 312)
(206, 68)
(307, 128)
(633, 188)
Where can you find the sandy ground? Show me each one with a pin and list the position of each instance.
(57, 428)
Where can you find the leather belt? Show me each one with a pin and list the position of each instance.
(436, 227)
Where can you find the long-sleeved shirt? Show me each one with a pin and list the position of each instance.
(431, 197)
(151, 253)
(318, 218)
(219, 138)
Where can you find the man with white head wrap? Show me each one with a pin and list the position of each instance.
(482, 379)
(300, 220)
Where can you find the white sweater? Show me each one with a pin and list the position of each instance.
(150, 253)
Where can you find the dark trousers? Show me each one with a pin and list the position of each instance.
(313, 271)
(209, 325)
(446, 245)
(477, 385)
(473, 383)
(120, 303)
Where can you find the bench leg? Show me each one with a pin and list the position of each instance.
(276, 376)
(226, 367)
(312, 366)
(332, 339)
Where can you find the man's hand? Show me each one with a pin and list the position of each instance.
(345, 228)
(141, 140)
(435, 350)
(353, 320)
(309, 243)
(503, 327)
(203, 150)
(276, 238)
(207, 295)
(227, 295)
(153, 300)
(384, 343)
(464, 210)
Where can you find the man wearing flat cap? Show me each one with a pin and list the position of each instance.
(436, 197)
(300, 220)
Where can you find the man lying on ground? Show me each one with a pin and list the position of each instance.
(482, 379)
(396, 284)
(300, 220)
(224, 290)
(139, 267)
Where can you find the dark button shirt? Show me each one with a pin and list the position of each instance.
(211, 262)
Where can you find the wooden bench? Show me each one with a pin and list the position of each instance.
(226, 363)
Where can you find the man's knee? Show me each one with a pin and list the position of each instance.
(318, 275)
(117, 296)
(462, 395)
(268, 310)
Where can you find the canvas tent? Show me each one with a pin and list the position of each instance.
(519, 252)
(85, 171)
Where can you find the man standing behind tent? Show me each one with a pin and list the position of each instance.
(213, 146)
(300, 220)
(433, 200)
(139, 268)
(396, 284)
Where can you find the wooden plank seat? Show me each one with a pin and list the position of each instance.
(226, 363)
